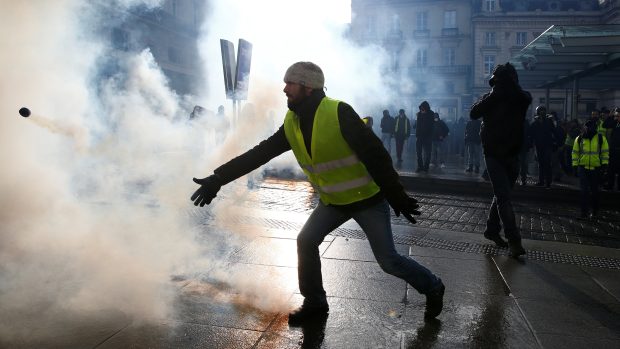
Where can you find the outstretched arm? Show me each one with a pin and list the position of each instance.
(239, 166)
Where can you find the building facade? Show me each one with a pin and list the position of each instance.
(169, 31)
(429, 43)
(445, 51)
(502, 28)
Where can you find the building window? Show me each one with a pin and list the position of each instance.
(449, 87)
(489, 5)
(449, 19)
(489, 64)
(449, 54)
(421, 57)
(395, 23)
(371, 25)
(421, 21)
(175, 7)
(521, 38)
(421, 87)
(489, 39)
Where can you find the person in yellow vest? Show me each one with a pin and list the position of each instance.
(590, 156)
(353, 174)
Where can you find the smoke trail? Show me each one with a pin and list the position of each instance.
(95, 194)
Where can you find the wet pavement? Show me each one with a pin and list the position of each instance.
(565, 293)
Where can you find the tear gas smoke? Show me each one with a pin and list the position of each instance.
(94, 208)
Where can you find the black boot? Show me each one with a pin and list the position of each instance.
(469, 169)
(307, 313)
(496, 239)
(434, 301)
(516, 249)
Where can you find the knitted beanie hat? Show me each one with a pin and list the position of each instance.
(306, 74)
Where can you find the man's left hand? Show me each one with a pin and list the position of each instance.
(402, 203)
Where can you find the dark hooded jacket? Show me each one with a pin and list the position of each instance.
(503, 113)
(425, 123)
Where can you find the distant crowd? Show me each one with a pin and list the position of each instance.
(548, 142)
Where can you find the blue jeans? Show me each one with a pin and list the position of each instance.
(375, 221)
(503, 173)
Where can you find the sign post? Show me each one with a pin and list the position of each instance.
(236, 72)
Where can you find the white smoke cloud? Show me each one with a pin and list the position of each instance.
(95, 184)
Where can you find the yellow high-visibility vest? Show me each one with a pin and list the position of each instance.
(589, 153)
(334, 169)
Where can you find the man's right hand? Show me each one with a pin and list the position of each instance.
(209, 186)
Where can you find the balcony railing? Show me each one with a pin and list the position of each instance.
(440, 69)
(421, 33)
(449, 31)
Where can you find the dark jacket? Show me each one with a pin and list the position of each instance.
(440, 130)
(472, 131)
(424, 123)
(527, 137)
(614, 139)
(362, 140)
(542, 132)
(502, 111)
(387, 124)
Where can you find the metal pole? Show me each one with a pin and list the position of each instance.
(575, 110)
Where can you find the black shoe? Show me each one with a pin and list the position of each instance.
(516, 249)
(434, 301)
(418, 170)
(307, 313)
(496, 239)
(477, 169)
(469, 169)
(540, 184)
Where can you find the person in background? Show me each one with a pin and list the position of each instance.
(425, 120)
(354, 177)
(557, 148)
(387, 130)
(542, 136)
(524, 154)
(590, 156)
(440, 133)
(503, 111)
(613, 170)
(472, 145)
(402, 131)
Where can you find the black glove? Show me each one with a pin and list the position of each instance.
(402, 203)
(209, 186)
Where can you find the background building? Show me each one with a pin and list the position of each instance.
(169, 31)
(429, 43)
(444, 51)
